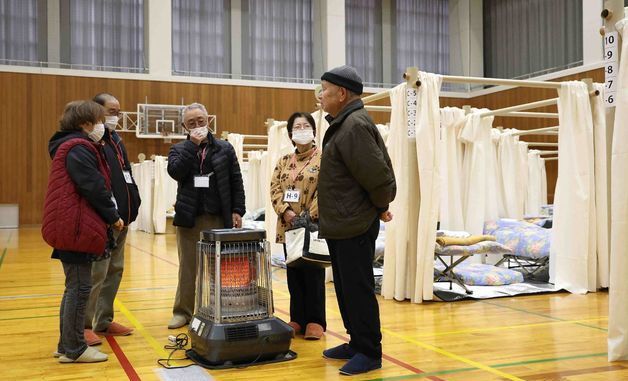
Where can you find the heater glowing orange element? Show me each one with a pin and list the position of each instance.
(236, 272)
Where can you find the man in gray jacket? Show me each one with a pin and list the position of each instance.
(356, 185)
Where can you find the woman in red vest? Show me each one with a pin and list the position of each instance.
(79, 213)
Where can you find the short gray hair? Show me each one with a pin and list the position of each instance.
(195, 106)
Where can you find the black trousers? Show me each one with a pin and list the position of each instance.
(352, 265)
(307, 295)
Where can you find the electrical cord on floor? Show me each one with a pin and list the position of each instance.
(179, 343)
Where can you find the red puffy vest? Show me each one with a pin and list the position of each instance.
(70, 223)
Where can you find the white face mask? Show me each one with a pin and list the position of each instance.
(111, 122)
(97, 133)
(199, 132)
(303, 136)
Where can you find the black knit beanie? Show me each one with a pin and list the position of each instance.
(344, 76)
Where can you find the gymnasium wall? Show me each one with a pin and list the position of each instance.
(32, 103)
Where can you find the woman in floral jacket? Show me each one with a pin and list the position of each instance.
(293, 191)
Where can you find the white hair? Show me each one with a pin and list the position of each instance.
(194, 106)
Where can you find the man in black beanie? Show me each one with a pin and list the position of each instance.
(356, 185)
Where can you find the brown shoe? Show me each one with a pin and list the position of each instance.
(313, 331)
(116, 329)
(91, 338)
(296, 328)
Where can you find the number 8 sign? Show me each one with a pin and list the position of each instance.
(610, 68)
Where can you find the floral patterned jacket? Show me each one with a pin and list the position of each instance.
(305, 167)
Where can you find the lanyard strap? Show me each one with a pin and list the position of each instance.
(293, 165)
(202, 156)
(118, 154)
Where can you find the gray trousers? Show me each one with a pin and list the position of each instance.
(186, 245)
(106, 278)
(78, 284)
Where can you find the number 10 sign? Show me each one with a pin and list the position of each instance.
(610, 68)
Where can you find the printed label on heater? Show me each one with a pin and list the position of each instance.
(195, 324)
(263, 327)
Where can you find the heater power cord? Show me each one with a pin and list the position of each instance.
(178, 343)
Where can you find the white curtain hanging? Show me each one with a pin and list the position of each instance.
(523, 175)
(494, 194)
(601, 185)
(237, 141)
(164, 193)
(428, 147)
(255, 180)
(476, 135)
(543, 183)
(509, 162)
(535, 183)
(384, 130)
(143, 174)
(401, 233)
(279, 144)
(451, 217)
(618, 289)
(573, 262)
(414, 142)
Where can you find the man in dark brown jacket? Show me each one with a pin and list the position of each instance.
(356, 185)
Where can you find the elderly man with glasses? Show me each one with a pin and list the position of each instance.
(210, 195)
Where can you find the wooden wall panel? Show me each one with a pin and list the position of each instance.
(30, 106)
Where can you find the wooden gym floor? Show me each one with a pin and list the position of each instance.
(543, 337)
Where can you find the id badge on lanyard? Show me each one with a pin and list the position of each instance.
(127, 177)
(292, 195)
(202, 181)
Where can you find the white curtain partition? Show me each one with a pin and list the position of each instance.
(535, 183)
(428, 146)
(543, 184)
(143, 173)
(601, 186)
(494, 193)
(256, 176)
(618, 289)
(237, 141)
(401, 232)
(523, 175)
(509, 157)
(384, 130)
(476, 135)
(573, 262)
(451, 217)
(414, 142)
(279, 144)
(164, 194)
